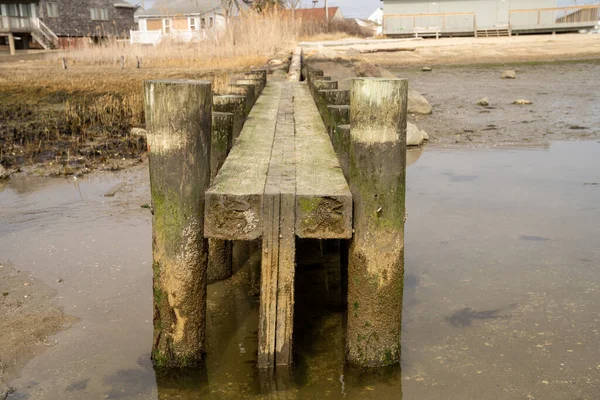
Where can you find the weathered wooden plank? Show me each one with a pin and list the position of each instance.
(285, 158)
(220, 252)
(279, 242)
(268, 281)
(233, 202)
(323, 198)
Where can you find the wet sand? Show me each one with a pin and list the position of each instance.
(566, 103)
(502, 289)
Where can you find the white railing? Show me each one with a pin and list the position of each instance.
(50, 35)
(15, 23)
(155, 37)
(402, 24)
(549, 18)
(145, 37)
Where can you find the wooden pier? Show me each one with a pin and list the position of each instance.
(279, 178)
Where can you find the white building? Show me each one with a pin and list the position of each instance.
(483, 17)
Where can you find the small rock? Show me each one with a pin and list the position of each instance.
(415, 136)
(522, 102)
(59, 280)
(483, 102)
(417, 104)
(275, 62)
(4, 174)
(509, 74)
(426, 69)
(352, 52)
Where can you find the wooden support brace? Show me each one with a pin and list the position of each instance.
(220, 252)
(234, 104)
(256, 82)
(244, 90)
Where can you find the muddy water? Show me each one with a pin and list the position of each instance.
(502, 290)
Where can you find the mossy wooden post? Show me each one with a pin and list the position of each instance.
(235, 104)
(220, 252)
(260, 74)
(179, 121)
(244, 90)
(313, 74)
(337, 115)
(11, 44)
(257, 83)
(376, 255)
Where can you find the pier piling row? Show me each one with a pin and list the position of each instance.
(309, 161)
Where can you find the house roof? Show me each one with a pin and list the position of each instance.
(314, 13)
(175, 7)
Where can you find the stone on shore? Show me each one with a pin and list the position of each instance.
(415, 136)
(509, 74)
(4, 174)
(522, 102)
(275, 62)
(352, 53)
(426, 69)
(483, 102)
(417, 104)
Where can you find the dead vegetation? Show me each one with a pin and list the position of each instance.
(79, 118)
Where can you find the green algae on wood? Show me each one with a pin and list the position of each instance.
(377, 164)
(179, 120)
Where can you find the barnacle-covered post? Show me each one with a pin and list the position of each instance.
(376, 256)
(179, 121)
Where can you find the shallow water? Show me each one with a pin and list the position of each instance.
(502, 289)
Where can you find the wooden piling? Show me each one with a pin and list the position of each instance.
(11, 44)
(376, 255)
(260, 74)
(330, 97)
(220, 252)
(244, 90)
(64, 63)
(256, 82)
(122, 61)
(234, 104)
(178, 121)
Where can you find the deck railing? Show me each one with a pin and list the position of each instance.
(15, 24)
(434, 23)
(155, 37)
(554, 18)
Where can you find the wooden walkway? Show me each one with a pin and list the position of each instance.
(282, 179)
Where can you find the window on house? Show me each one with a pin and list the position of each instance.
(99, 14)
(202, 23)
(167, 26)
(192, 24)
(52, 10)
(210, 22)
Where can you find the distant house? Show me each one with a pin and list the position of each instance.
(377, 19)
(184, 20)
(481, 17)
(319, 14)
(63, 23)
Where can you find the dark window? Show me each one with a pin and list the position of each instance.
(52, 10)
(99, 14)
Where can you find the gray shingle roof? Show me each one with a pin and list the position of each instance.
(174, 7)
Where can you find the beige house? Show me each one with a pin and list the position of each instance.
(183, 20)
